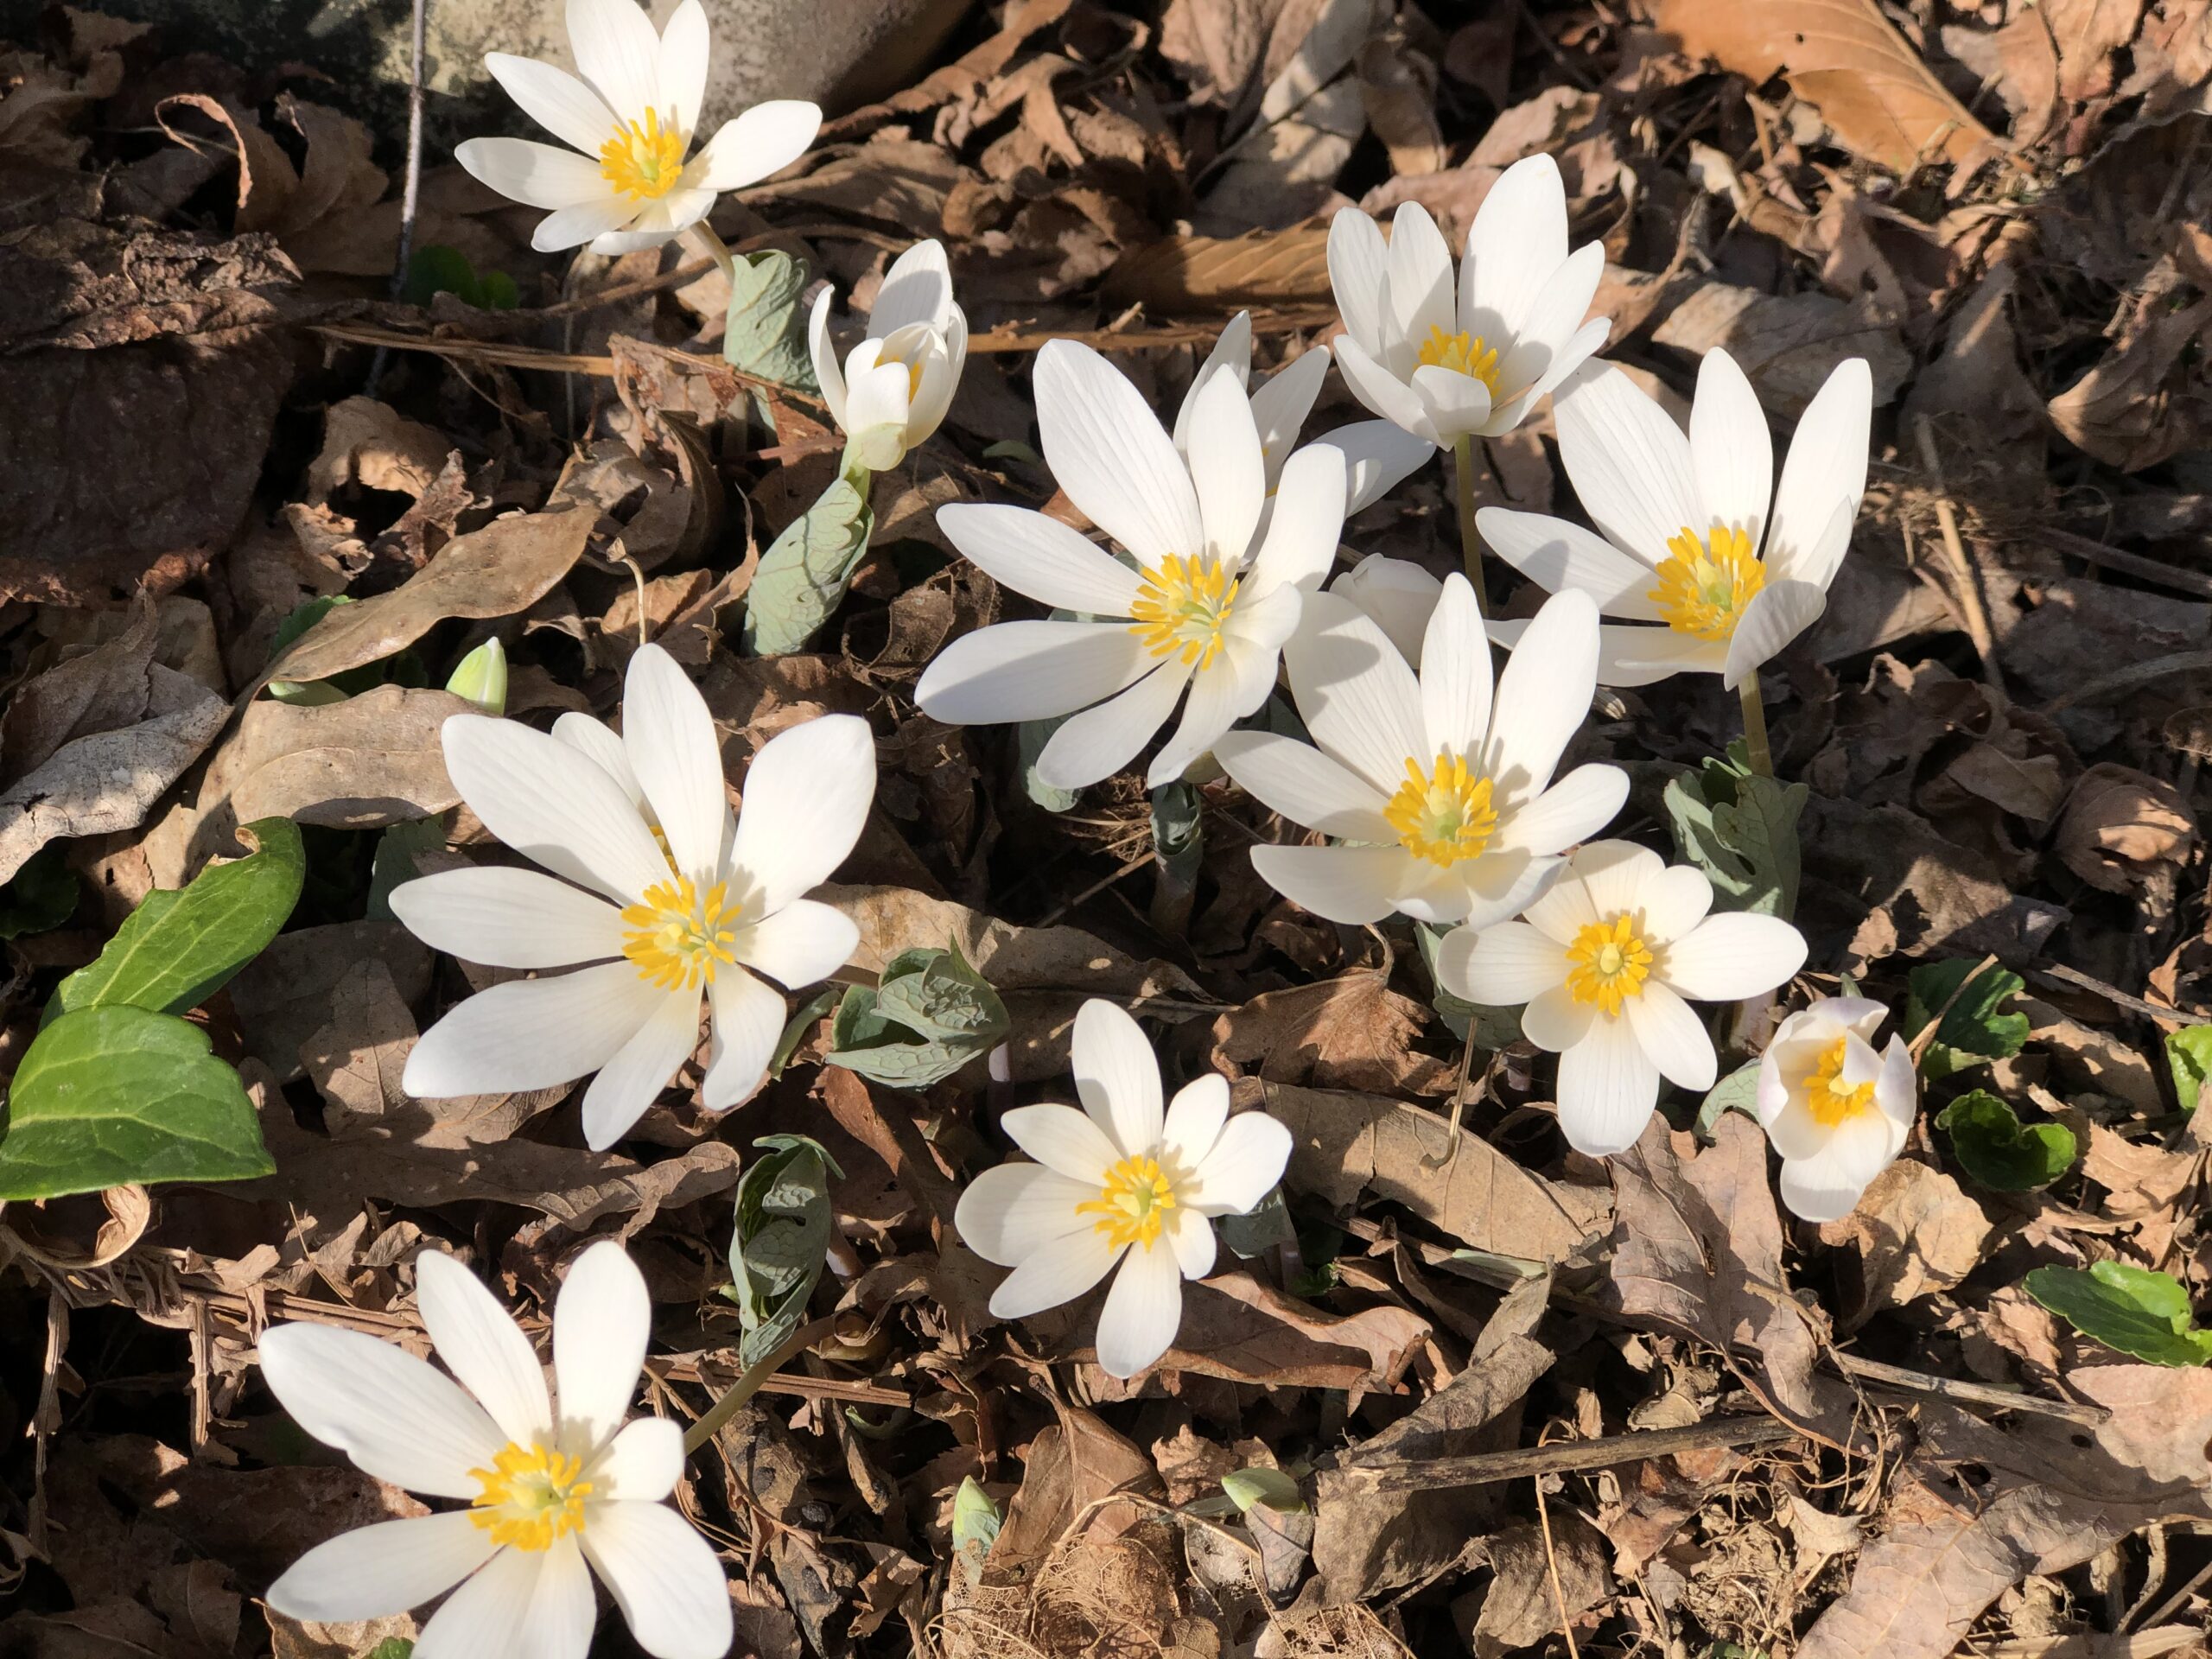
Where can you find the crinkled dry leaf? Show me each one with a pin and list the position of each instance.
(1353, 1033)
(2120, 824)
(1916, 1232)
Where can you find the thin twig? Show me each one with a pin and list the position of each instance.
(1608, 1452)
(1947, 518)
(1551, 1560)
(411, 188)
(2157, 571)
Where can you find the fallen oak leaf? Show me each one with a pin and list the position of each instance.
(1350, 1032)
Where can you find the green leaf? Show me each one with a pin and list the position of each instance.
(804, 576)
(765, 334)
(1030, 737)
(976, 1519)
(393, 861)
(1270, 1488)
(1737, 1092)
(1260, 1229)
(1741, 829)
(1973, 1032)
(393, 1647)
(114, 1094)
(2139, 1312)
(179, 947)
(795, 1028)
(1998, 1150)
(1493, 1028)
(437, 269)
(40, 896)
(782, 1235)
(2189, 1057)
(929, 1014)
(481, 678)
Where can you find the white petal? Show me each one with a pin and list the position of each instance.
(375, 1571)
(1826, 1185)
(1824, 474)
(876, 408)
(1303, 532)
(1607, 1088)
(531, 1033)
(1604, 879)
(747, 1018)
(806, 799)
(1516, 243)
(1351, 885)
(1673, 1036)
(1246, 1162)
(396, 1417)
(1543, 696)
(1731, 956)
(593, 221)
(1455, 674)
(1030, 671)
(1227, 467)
(1673, 903)
(1354, 692)
(538, 175)
(1010, 1212)
(1100, 741)
(1231, 355)
(1731, 451)
(558, 102)
(1064, 1140)
(1551, 341)
(822, 353)
(1108, 452)
(618, 50)
(600, 1321)
(676, 759)
(665, 1578)
(685, 51)
(1358, 258)
(1494, 887)
(1502, 965)
(1398, 595)
(1189, 1235)
(801, 944)
(1039, 556)
(1454, 404)
(1584, 344)
(1895, 1090)
(1143, 1309)
(1378, 456)
(764, 140)
(483, 1346)
(1233, 685)
(484, 1619)
(1384, 393)
(1056, 1271)
(508, 918)
(563, 1607)
(654, 223)
(1632, 655)
(641, 1464)
(1280, 405)
(1556, 1020)
(1117, 1076)
(597, 741)
(933, 398)
(1573, 809)
(1195, 1117)
(634, 1075)
(552, 805)
(1630, 464)
(1421, 278)
(1778, 613)
(1305, 785)
(1557, 556)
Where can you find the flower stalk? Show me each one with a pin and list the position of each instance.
(733, 1397)
(1755, 738)
(1463, 474)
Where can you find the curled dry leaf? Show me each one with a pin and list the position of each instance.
(1350, 1032)
(2120, 824)
(1788, 344)
(1916, 1233)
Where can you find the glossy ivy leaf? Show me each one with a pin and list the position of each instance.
(116, 1093)
(2188, 1058)
(1975, 1029)
(1737, 1092)
(804, 572)
(179, 947)
(2132, 1310)
(2000, 1152)
(783, 1233)
(1741, 829)
(929, 1014)
(41, 896)
(1266, 1487)
(764, 334)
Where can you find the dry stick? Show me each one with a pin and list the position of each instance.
(1551, 1560)
(412, 190)
(1947, 518)
(749, 1384)
(1608, 1452)
(2133, 564)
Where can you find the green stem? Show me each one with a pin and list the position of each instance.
(1462, 466)
(1755, 727)
(716, 250)
(749, 1384)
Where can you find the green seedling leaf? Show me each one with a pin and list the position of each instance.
(795, 1028)
(1030, 738)
(803, 575)
(1998, 1150)
(976, 1519)
(1262, 1227)
(929, 1014)
(116, 1093)
(440, 269)
(41, 896)
(2131, 1310)
(1741, 829)
(393, 1647)
(765, 333)
(1737, 1092)
(783, 1233)
(314, 693)
(2189, 1057)
(1266, 1488)
(179, 947)
(394, 861)
(1974, 1031)
(481, 677)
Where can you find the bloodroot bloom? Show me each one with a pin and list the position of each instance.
(1837, 1111)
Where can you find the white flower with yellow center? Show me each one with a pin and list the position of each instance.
(1120, 1181)
(673, 902)
(1207, 607)
(897, 382)
(1445, 368)
(1608, 961)
(1704, 561)
(1439, 793)
(1837, 1111)
(552, 1497)
(629, 179)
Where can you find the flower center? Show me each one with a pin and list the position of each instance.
(531, 1495)
(1443, 814)
(1703, 586)
(1608, 964)
(644, 162)
(676, 938)
(1183, 605)
(1462, 354)
(1828, 1097)
(1133, 1204)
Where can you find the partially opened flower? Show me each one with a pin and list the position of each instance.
(1837, 1111)
(1207, 607)
(1397, 593)
(897, 382)
(1445, 360)
(553, 1495)
(1120, 1181)
(1440, 794)
(629, 178)
(1704, 563)
(1608, 961)
(673, 903)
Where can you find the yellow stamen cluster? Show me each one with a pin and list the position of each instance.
(1183, 605)
(676, 938)
(1609, 963)
(1443, 814)
(1828, 1097)
(1133, 1204)
(646, 162)
(531, 1495)
(1704, 585)
(1462, 354)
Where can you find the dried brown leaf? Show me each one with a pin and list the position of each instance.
(1071, 1467)
(1351, 1033)
(1210, 274)
(1916, 1232)
(2120, 824)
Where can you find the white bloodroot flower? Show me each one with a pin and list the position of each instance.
(1399, 596)
(1689, 542)
(1122, 1181)
(897, 381)
(1444, 370)
(553, 1496)
(673, 900)
(623, 183)
(1443, 793)
(1605, 961)
(1208, 607)
(1838, 1112)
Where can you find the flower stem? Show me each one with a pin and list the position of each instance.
(716, 250)
(1463, 469)
(1755, 727)
(749, 1384)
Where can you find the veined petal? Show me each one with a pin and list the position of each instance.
(557, 101)
(1247, 1159)
(1630, 654)
(508, 918)
(1281, 403)
(1064, 1140)
(747, 1018)
(1546, 340)
(1557, 556)
(1117, 1076)
(1455, 404)
(1194, 1118)
(801, 944)
(1398, 595)
(1100, 741)
(618, 50)
(1030, 671)
(1039, 556)
(635, 1073)
(1606, 878)
(685, 51)
(1378, 456)
(1056, 1271)
(1305, 785)
(1231, 355)
(1108, 451)
(601, 1320)
(1727, 957)
(764, 141)
(1583, 345)
(1731, 451)
(551, 804)
(932, 398)
(669, 737)
(483, 1346)
(823, 354)
(1825, 471)
(1778, 613)
(598, 742)
(1227, 467)
(665, 1578)
(536, 175)
(1306, 523)
(1382, 392)
(562, 1608)
(1607, 1088)
(1420, 279)
(641, 1464)
(1143, 1309)
(1497, 886)
(386, 1568)
(532, 1033)
(1189, 1235)
(1502, 965)
(1543, 696)
(1358, 262)
(916, 289)
(1573, 809)
(876, 410)
(1516, 244)
(1231, 687)
(1556, 1020)
(1673, 1036)
(1826, 1184)
(807, 801)
(1630, 464)
(1351, 885)
(396, 1417)
(1354, 692)
(484, 1619)
(573, 225)
(1455, 676)
(1010, 1212)
(655, 223)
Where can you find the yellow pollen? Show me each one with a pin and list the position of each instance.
(1704, 585)
(1828, 1097)
(646, 162)
(1609, 963)
(1462, 354)
(1132, 1206)
(531, 1495)
(676, 938)
(1183, 605)
(1443, 814)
